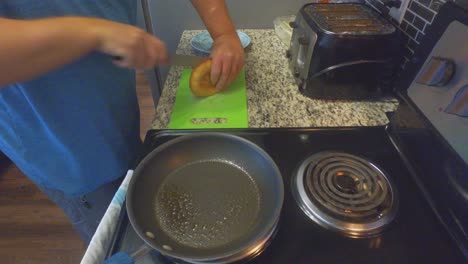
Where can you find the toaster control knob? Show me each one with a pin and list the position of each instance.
(303, 41)
(293, 24)
(437, 72)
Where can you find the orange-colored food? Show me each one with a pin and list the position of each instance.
(200, 82)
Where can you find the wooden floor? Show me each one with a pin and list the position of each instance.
(33, 229)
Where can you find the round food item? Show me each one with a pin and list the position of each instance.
(200, 81)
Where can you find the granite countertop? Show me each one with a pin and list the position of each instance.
(273, 98)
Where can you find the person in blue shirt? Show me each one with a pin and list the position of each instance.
(69, 116)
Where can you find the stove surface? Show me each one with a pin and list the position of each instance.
(414, 235)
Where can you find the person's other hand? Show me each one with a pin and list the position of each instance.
(134, 47)
(228, 59)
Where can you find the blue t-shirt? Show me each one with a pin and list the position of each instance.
(76, 128)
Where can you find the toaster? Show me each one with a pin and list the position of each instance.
(343, 51)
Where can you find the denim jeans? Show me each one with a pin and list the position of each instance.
(85, 212)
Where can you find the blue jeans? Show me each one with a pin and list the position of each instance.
(85, 212)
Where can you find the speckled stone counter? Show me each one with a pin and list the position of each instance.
(273, 98)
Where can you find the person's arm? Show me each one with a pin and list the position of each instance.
(30, 48)
(227, 52)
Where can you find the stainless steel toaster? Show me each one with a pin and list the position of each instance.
(343, 51)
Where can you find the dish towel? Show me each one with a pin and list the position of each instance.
(97, 249)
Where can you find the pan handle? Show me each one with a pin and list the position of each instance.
(124, 258)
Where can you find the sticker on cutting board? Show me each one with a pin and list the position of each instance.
(200, 121)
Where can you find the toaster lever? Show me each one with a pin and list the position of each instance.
(303, 44)
(345, 64)
(301, 57)
(437, 72)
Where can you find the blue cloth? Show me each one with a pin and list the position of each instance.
(76, 128)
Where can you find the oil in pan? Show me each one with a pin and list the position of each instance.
(207, 204)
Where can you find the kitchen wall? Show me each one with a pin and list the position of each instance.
(417, 18)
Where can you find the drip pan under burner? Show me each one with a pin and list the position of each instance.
(345, 193)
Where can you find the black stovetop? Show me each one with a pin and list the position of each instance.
(414, 236)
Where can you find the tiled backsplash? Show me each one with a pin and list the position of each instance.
(418, 16)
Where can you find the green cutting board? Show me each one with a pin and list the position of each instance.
(227, 109)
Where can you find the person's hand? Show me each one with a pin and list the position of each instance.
(133, 47)
(228, 59)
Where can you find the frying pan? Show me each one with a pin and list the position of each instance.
(206, 198)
